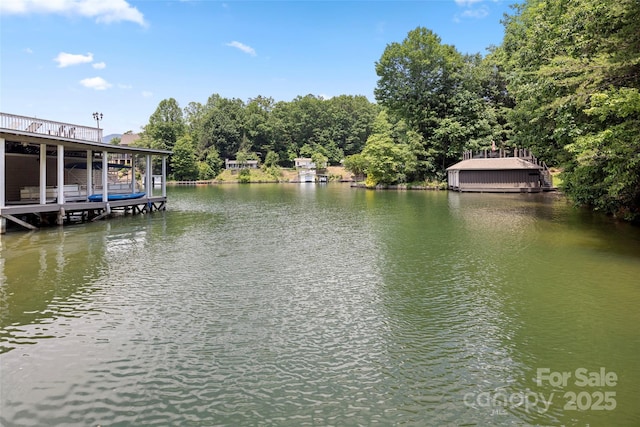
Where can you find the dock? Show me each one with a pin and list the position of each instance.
(48, 170)
(500, 171)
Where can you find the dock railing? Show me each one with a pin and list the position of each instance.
(522, 153)
(38, 126)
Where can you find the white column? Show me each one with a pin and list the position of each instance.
(60, 174)
(43, 174)
(3, 174)
(89, 173)
(148, 187)
(105, 176)
(133, 173)
(164, 176)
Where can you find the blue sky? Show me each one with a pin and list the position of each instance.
(65, 59)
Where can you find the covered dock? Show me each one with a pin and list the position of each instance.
(51, 170)
(499, 171)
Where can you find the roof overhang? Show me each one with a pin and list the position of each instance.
(495, 164)
(12, 135)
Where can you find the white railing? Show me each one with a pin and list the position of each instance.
(522, 153)
(47, 127)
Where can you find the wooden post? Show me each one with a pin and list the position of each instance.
(105, 176)
(43, 174)
(89, 173)
(164, 176)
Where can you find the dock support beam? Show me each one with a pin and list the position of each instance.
(17, 221)
(105, 176)
(164, 176)
(43, 174)
(89, 173)
(61, 174)
(60, 217)
(133, 173)
(147, 185)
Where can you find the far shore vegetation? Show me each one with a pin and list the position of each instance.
(564, 83)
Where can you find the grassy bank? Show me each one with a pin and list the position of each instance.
(336, 173)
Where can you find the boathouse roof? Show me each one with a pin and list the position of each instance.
(503, 163)
(31, 130)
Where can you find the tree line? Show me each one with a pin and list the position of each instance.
(564, 82)
(201, 136)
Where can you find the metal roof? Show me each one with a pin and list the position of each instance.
(504, 163)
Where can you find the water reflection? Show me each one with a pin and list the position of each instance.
(315, 305)
(50, 275)
(447, 332)
(554, 311)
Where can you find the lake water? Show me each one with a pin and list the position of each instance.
(325, 305)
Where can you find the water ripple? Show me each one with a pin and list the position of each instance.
(239, 308)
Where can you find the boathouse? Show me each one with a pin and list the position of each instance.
(53, 172)
(499, 171)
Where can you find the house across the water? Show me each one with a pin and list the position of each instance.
(53, 173)
(236, 165)
(499, 171)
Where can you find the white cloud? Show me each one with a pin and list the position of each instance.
(28, 50)
(97, 83)
(99, 65)
(102, 10)
(475, 13)
(124, 86)
(472, 9)
(147, 94)
(243, 47)
(467, 3)
(66, 59)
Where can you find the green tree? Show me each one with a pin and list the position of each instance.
(606, 173)
(271, 159)
(166, 125)
(205, 172)
(213, 160)
(223, 126)
(258, 129)
(184, 162)
(242, 158)
(320, 160)
(574, 72)
(436, 90)
(387, 161)
(356, 164)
